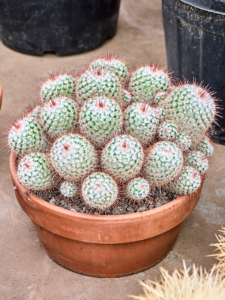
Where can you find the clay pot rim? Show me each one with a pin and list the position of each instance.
(69, 213)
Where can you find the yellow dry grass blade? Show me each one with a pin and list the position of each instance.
(188, 284)
(220, 255)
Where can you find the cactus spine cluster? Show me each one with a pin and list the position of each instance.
(114, 130)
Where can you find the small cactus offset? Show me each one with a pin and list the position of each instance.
(167, 131)
(146, 82)
(112, 135)
(137, 189)
(68, 189)
(192, 109)
(99, 82)
(187, 182)
(164, 163)
(197, 160)
(141, 121)
(205, 146)
(112, 64)
(183, 141)
(99, 190)
(56, 86)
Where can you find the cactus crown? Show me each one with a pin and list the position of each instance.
(109, 136)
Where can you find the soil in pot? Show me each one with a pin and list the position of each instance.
(124, 206)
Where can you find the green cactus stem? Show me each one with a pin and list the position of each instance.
(73, 157)
(141, 121)
(58, 86)
(164, 162)
(99, 190)
(187, 182)
(101, 119)
(137, 189)
(59, 116)
(122, 157)
(198, 160)
(146, 82)
(35, 171)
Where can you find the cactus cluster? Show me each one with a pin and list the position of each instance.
(109, 130)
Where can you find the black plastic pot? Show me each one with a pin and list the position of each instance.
(60, 26)
(195, 45)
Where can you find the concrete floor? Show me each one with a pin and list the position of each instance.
(26, 272)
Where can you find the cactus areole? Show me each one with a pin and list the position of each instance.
(101, 141)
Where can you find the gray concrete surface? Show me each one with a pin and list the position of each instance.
(26, 272)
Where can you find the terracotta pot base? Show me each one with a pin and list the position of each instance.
(104, 246)
(107, 260)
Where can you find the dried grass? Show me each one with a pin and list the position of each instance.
(220, 255)
(190, 283)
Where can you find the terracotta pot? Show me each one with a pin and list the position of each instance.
(104, 246)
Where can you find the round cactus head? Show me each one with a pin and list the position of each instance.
(205, 146)
(69, 189)
(183, 141)
(58, 116)
(141, 121)
(164, 162)
(146, 82)
(187, 182)
(73, 157)
(191, 108)
(26, 136)
(112, 64)
(137, 189)
(98, 82)
(198, 160)
(167, 131)
(58, 86)
(123, 157)
(101, 119)
(35, 171)
(99, 190)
